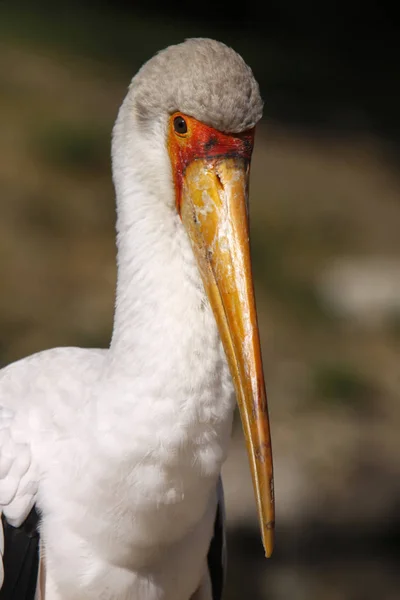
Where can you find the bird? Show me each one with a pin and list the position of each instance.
(110, 458)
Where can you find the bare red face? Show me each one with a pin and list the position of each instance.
(189, 139)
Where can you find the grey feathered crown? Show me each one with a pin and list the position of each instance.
(202, 78)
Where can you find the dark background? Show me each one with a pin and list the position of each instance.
(325, 203)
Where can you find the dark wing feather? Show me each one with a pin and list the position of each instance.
(216, 557)
(21, 559)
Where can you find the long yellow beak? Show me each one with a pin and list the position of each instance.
(214, 210)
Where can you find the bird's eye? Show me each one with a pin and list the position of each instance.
(180, 125)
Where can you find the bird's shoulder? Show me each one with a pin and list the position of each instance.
(44, 374)
(37, 396)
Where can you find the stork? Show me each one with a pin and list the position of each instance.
(110, 459)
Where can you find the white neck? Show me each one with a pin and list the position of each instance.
(165, 338)
(161, 313)
(166, 400)
(163, 325)
(160, 297)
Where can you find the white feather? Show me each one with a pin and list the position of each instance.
(122, 449)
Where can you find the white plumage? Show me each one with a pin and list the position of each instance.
(121, 449)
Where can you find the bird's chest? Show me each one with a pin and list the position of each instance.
(156, 476)
(143, 478)
(137, 487)
(135, 512)
(74, 569)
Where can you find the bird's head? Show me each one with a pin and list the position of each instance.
(188, 123)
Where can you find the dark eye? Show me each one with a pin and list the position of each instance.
(180, 125)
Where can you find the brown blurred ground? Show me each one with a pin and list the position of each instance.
(323, 205)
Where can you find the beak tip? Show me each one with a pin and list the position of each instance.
(268, 540)
(269, 548)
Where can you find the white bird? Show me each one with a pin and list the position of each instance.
(120, 450)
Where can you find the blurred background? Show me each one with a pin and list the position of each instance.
(325, 220)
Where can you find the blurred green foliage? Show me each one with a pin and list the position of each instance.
(296, 294)
(73, 145)
(340, 384)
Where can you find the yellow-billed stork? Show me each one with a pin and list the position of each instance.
(119, 451)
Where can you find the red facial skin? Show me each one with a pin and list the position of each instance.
(205, 142)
